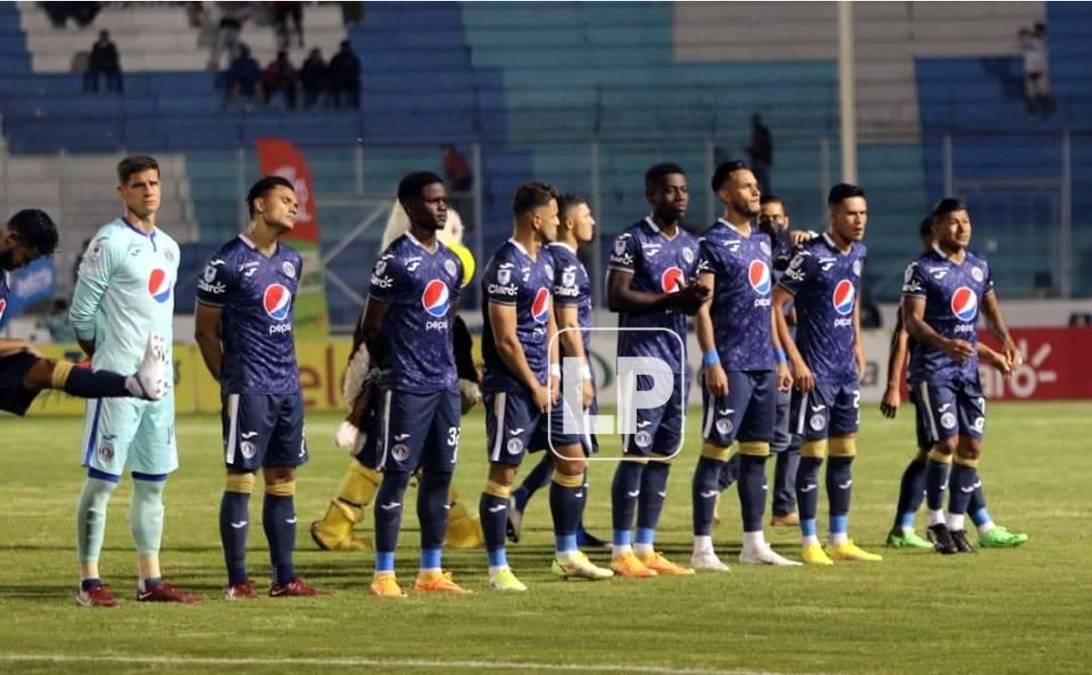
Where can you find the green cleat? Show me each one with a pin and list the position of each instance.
(504, 580)
(999, 537)
(897, 539)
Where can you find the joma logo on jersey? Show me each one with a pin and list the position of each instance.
(964, 304)
(159, 285)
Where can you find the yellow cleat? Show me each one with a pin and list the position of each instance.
(850, 551)
(630, 566)
(504, 580)
(335, 531)
(813, 554)
(656, 562)
(438, 582)
(385, 585)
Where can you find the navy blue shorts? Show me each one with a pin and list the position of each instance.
(514, 427)
(955, 408)
(263, 430)
(14, 397)
(746, 414)
(411, 430)
(659, 430)
(825, 411)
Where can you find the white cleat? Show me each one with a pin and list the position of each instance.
(577, 566)
(707, 561)
(151, 376)
(764, 555)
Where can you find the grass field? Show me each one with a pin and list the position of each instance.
(1022, 610)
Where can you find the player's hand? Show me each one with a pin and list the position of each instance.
(798, 237)
(470, 394)
(541, 397)
(14, 347)
(784, 377)
(346, 436)
(716, 380)
(554, 390)
(996, 360)
(861, 364)
(1014, 357)
(802, 376)
(691, 297)
(960, 350)
(589, 393)
(890, 403)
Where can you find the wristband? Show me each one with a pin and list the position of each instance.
(779, 354)
(587, 372)
(555, 370)
(710, 358)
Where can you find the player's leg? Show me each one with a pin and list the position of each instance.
(844, 422)
(912, 484)
(536, 479)
(786, 449)
(510, 420)
(149, 382)
(938, 406)
(585, 539)
(626, 488)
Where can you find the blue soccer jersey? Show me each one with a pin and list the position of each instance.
(741, 295)
(421, 287)
(257, 294)
(953, 292)
(825, 284)
(658, 265)
(513, 277)
(4, 290)
(572, 287)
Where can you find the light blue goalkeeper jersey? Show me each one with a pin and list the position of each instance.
(125, 290)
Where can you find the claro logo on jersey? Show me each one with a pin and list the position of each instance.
(965, 304)
(277, 302)
(672, 280)
(159, 285)
(758, 274)
(844, 295)
(436, 299)
(540, 308)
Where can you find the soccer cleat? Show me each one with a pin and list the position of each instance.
(628, 565)
(999, 537)
(708, 561)
(504, 580)
(295, 588)
(241, 590)
(576, 565)
(656, 562)
(335, 531)
(785, 519)
(385, 585)
(436, 581)
(942, 539)
(896, 538)
(166, 592)
(813, 554)
(151, 375)
(764, 555)
(97, 596)
(959, 538)
(847, 550)
(585, 539)
(515, 521)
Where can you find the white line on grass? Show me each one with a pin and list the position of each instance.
(358, 662)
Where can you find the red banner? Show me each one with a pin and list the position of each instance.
(1057, 365)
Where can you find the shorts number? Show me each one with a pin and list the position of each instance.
(856, 399)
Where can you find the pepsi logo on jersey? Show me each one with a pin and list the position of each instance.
(159, 285)
(540, 308)
(436, 300)
(277, 302)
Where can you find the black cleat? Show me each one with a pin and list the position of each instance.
(942, 539)
(585, 539)
(959, 538)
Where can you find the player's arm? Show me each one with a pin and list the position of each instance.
(207, 334)
(572, 340)
(622, 298)
(801, 374)
(913, 311)
(716, 380)
(463, 344)
(784, 377)
(96, 270)
(503, 320)
(995, 322)
(373, 328)
(9, 346)
(858, 344)
(993, 358)
(554, 342)
(896, 364)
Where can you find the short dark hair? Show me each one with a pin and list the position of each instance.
(774, 199)
(657, 171)
(568, 201)
(725, 171)
(925, 229)
(843, 191)
(413, 184)
(530, 196)
(135, 164)
(946, 206)
(263, 186)
(35, 228)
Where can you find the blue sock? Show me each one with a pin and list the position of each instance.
(624, 491)
(384, 561)
(87, 383)
(977, 506)
(911, 493)
(839, 491)
(432, 501)
(388, 515)
(431, 558)
(704, 490)
(566, 507)
(807, 493)
(752, 491)
(234, 525)
(650, 503)
(729, 473)
(279, 523)
(962, 487)
(936, 478)
(498, 557)
(493, 511)
(534, 481)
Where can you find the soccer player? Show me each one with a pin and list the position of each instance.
(573, 309)
(942, 293)
(124, 293)
(520, 354)
(650, 285)
(407, 327)
(245, 301)
(740, 373)
(823, 282)
(30, 234)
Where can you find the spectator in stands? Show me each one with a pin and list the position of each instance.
(83, 13)
(242, 78)
(313, 78)
(343, 77)
(104, 60)
(280, 76)
(1080, 320)
(760, 151)
(232, 17)
(282, 12)
(460, 180)
(1033, 43)
(352, 13)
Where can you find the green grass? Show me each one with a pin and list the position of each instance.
(998, 611)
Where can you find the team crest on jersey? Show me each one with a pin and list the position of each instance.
(724, 426)
(549, 272)
(106, 450)
(976, 274)
(817, 422)
(964, 304)
(248, 449)
(400, 452)
(169, 255)
(381, 267)
(504, 276)
(758, 274)
(540, 308)
(277, 300)
(764, 247)
(210, 273)
(844, 295)
(514, 446)
(619, 246)
(159, 285)
(94, 253)
(450, 268)
(568, 277)
(289, 269)
(947, 420)
(857, 268)
(643, 439)
(436, 299)
(687, 255)
(671, 281)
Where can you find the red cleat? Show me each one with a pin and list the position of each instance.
(294, 588)
(242, 590)
(165, 592)
(97, 596)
